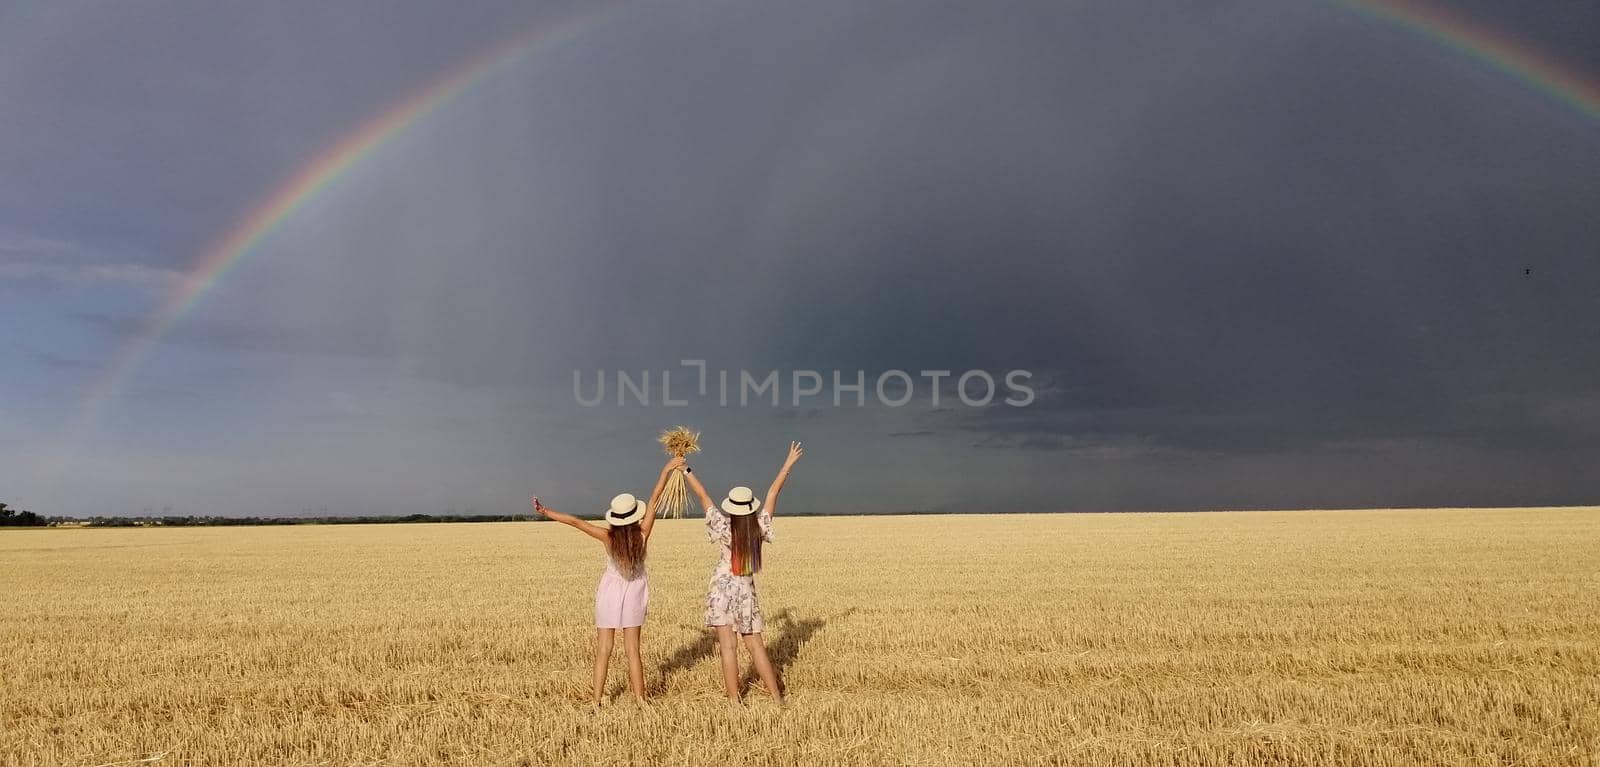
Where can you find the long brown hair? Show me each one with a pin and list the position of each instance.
(625, 543)
(746, 548)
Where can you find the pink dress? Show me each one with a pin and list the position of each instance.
(620, 603)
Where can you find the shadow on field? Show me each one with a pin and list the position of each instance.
(784, 645)
(682, 658)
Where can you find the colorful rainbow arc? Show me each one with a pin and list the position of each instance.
(1489, 47)
(1480, 43)
(308, 182)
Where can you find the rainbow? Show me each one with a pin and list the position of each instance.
(310, 180)
(1490, 47)
(1486, 46)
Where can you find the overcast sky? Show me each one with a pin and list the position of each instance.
(1254, 254)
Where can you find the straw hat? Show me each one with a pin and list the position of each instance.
(741, 501)
(625, 510)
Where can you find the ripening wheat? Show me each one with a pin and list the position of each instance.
(1350, 638)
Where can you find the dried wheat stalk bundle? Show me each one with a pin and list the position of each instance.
(677, 441)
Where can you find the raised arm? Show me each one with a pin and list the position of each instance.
(649, 522)
(699, 489)
(592, 530)
(795, 451)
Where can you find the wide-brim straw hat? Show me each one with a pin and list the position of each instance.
(741, 501)
(625, 510)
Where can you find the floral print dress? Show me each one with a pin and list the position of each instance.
(731, 599)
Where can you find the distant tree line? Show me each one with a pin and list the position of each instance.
(211, 521)
(10, 517)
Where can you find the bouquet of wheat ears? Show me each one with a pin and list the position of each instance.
(680, 442)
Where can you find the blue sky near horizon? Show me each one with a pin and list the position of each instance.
(1255, 255)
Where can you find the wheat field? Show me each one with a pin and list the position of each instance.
(1440, 637)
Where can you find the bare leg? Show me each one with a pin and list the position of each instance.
(730, 661)
(764, 669)
(630, 642)
(602, 661)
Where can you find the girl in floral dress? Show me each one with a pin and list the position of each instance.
(740, 525)
(623, 595)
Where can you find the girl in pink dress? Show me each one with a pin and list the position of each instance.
(740, 524)
(623, 596)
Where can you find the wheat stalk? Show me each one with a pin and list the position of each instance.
(677, 441)
(1334, 638)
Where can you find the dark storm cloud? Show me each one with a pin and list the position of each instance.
(60, 363)
(237, 337)
(1255, 254)
(152, 126)
(1284, 250)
